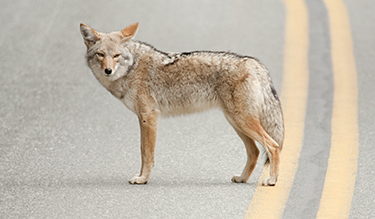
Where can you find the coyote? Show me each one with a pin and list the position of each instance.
(152, 83)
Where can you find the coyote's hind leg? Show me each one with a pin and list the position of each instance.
(252, 157)
(252, 128)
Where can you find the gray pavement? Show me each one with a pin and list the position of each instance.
(363, 28)
(68, 148)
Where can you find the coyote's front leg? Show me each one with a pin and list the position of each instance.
(148, 124)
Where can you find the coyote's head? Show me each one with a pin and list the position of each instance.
(106, 55)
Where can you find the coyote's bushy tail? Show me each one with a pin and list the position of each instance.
(272, 116)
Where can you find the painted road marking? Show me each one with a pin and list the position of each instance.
(342, 164)
(269, 202)
(306, 191)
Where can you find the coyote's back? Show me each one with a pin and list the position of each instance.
(152, 83)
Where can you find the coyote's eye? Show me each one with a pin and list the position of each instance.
(100, 54)
(116, 56)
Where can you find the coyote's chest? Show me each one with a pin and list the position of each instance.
(125, 95)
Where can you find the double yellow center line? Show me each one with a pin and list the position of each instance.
(342, 164)
(269, 202)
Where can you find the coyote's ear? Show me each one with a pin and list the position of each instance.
(89, 35)
(130, 31)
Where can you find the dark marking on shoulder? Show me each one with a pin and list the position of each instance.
(173, 62)
(189, 53)
(274, 92)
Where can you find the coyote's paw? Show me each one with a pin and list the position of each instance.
(238, 179)
(138, 180)
(269, 181)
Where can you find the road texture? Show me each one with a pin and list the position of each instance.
(68, 147)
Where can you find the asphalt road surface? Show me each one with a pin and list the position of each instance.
(68, 147)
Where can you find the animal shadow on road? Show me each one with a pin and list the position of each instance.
(117, 181)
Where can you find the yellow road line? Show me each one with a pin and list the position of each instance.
(269, 202)
(342, 164)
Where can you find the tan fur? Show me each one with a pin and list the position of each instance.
(152, 83)
(130, 30)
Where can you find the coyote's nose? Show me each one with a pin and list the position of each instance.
(108, 71)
